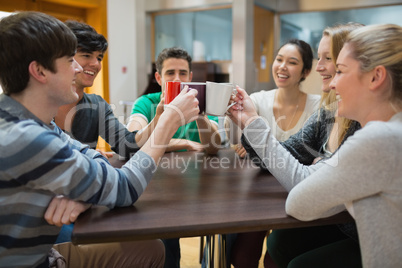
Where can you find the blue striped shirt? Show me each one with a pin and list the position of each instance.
(38, 162)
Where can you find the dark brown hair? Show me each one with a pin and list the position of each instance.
(173, 52)
(31, 36)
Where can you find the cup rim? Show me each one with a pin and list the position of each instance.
(223, 83)
(173, 82)
(193, 83)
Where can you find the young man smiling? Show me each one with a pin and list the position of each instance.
(39, 162)
(91, 116)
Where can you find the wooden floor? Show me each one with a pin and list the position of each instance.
(190, 253)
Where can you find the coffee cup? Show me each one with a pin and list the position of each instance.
(218, 98)
(201, 88)
(172, 89)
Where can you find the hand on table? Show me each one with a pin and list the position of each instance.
(105, 154)
(239, 149)
(62, 210)
(195, 146)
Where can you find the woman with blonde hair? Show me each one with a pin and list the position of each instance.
(324, 132)
(368, 85)
(319, 138)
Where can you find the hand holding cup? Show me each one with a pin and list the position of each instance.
(243, 112)
(184, 108)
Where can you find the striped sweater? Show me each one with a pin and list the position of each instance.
(37, 162)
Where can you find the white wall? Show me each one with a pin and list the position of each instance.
(121, 52)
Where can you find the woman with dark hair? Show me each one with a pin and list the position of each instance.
(285, 109)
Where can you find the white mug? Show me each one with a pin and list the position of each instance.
(218, 97)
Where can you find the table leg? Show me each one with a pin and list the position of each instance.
(210, 251)
(222, 250)
(201, 249)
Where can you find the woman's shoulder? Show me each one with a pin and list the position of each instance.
(263, 93)
(385, 131)
(262, 96)
(314, 99)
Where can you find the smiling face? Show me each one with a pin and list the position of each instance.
(62, 83)
(325, 66)
(174, 70)
(350, 85)
(287, 67)
(91, 64)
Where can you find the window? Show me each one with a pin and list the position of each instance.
(206, 35)
(308, 26)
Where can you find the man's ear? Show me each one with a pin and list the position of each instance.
(158, 78)
(191, 76)
(378, 77)
(37, 71)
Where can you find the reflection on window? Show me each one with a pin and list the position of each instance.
(308, 26)
(206, 35)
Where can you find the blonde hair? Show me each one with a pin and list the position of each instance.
(376, 45)
(338, 35)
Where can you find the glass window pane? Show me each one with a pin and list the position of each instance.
(308, 26)
(206, 35)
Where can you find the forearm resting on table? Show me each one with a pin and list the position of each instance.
(62, 210)
(209, 135)
(145, 130)
(182, 144)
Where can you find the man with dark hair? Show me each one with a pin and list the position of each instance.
(91, 116)
(39, 162)
(174, 53)
(174, 64)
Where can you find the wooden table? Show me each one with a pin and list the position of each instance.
(195, 195)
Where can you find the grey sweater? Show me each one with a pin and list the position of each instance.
(95, 118)
(308, 143)
(365, 174)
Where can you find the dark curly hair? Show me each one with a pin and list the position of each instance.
(87, 37)
(31, 36)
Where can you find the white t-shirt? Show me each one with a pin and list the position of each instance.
(264, 104)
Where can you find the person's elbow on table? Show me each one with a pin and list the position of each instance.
(295, 213)
(295, 209)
